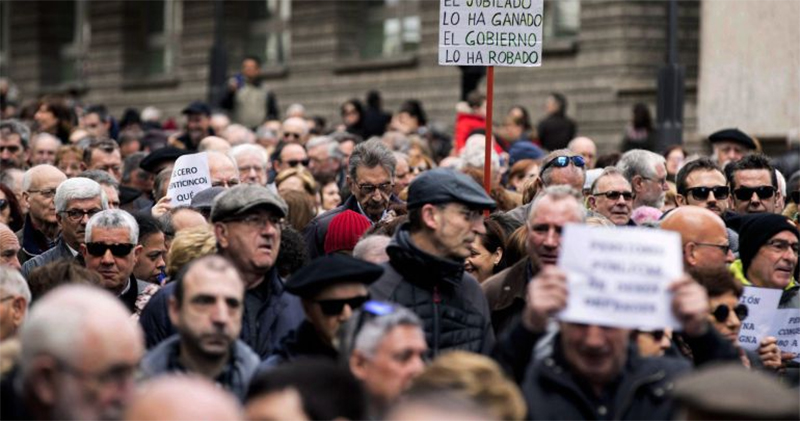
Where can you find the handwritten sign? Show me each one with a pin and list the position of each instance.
(761, 306)
(490, 33)
(786, 328)
(189, 176)
(619, 277)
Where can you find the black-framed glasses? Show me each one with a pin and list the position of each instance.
(795, 196)
(722, 312)
(725, 248)
(701, 193)
(118, 250)
(783, 245)
(294, 135)
(48, 193)
(369, 189)
(78, 214)
(563, 161)
(746, 193)
(335, 307)
(659, 181)
(615, 195)
(295, 162)
(657, 335)
(3, 204)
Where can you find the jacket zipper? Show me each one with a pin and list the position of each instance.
(437, 299)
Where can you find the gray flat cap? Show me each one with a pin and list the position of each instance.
(205, 198)
(443, 185)
(241, 199)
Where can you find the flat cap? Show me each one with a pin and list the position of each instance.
(443, 185)
(197, 107)
(240, 200)
(205, 199)
(329, 270)
(733, 135)
(159, 156)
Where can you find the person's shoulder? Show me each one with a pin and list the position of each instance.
(494, 284)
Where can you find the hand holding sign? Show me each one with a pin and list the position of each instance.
(547, 295)
(690, 305)
(769, 353)
(190, 175)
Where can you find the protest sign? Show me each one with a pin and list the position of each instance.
(786, 328)
(490, 33)
(619, 277)
(761, 306)
(189, 176)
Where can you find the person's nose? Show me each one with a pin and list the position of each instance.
(594, 337)
(733, 322)
(6, 154)
(553, 239)
(107, 258)
(416, 365)
(160, 263)
(220, 314)
(665, 343)
(346, 313)
(754, 198)
(729, 257)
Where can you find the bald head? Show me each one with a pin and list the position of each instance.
(585, 147)
(703, 236)
(9, 247)
(184, 397)
(214, 143)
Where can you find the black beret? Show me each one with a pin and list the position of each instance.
(443, 185)
(329, 270)
(733, 135)
(158, 156)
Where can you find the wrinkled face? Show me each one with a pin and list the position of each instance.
(197, 126)
(567, 176)
(320, 162)
(402, 177)
(223, 172)
(293, 131)
(728, 152)
(328, 324)
(709, 250)
(12, 313)
(330, 196)
(9, 247)
(74, 218)
(544, 228)
(729, 328)
(372, 188)
(703, 178)
(397, 361)
(774, 264)
(455, 229)
(210, 317)
(251, 242)
(41, 195)
(251, 169)
(44, 151)
(110, 162)
(111, 195)
(46, 120)
(70, 164)
(652, 191)
(753, 204)
(291, 156)
(151, 261)
(595, 354)
(12, 154)
(115, 271)
(94, 126)
(587, 150)
(481, 262)
(619, 210)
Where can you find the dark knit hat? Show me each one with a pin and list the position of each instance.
(344, 231)
(756, 230)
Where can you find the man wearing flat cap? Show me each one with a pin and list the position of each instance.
(425, 272)
(198, 126)
(331, 288)
(730, 145)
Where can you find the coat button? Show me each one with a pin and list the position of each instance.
(659, 392)
(602, 410)
(549, 362)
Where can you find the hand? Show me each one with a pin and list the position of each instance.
(769, 353)
(163, 206)
(690, 305)
(547, 295)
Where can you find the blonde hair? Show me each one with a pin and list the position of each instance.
(303, 174)
(189, 244)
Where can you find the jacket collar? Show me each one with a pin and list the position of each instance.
(417, 265)
(33, 241)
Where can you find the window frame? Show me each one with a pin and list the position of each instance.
(168, 39)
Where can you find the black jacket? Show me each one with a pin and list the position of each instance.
(450, 303)
(58, 252)
(300, 343)
(555, 131)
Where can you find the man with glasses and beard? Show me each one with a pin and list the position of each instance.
(647, 173)
(754, 185)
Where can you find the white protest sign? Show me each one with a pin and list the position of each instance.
(786, 328)
(761, 306)
(189, 176)
(490, 33)
(619, 277)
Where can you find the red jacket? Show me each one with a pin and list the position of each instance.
(465, 124)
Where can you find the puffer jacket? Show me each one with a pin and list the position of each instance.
(453, 309)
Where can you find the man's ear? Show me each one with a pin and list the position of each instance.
(42, 381)
(221, 232)
(83, 166)
(358, 364)
(19, 307)
(636, 183)
(83, 251)
(430, 218)
(60, 220)
(592, 202)
(681, 200)
(688, 253)
(137, 252)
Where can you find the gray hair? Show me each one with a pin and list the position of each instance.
(250, 149)
(370, 246)
(558, 193)
(639, 162)
(7, 177)
(78, 188)
(12, 126)
(113, 218)
(607, 172)
(36, 138)
(12, 283)
(370, 154)
(474, 153)
(101, 177)
(373, 331)
(545, 175)
(333, 146)
(237, 134)
(131, 164)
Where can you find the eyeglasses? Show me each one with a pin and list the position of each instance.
(657, 335)
(746, 193)
(48, 193)
(296, 162)
(795, 195)
(722, 312)
(11, 149)
(3, 204)
(78, 214)
(369, 189)
(259, 221)
(615, 195)
(723, 247)
(294, 135)
(118, 375)
(783, 245)
(470, 214)
(118, 250)
(659, 181)
(563, 161)
(701, 193)
(335, 307)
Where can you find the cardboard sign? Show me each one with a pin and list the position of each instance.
(761, 306)
(786, 328)
(189, 176)
(618, 277)
(491, 33)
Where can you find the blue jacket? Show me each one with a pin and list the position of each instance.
(58, 252)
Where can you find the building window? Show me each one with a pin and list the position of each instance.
(390, 28)
(562, 19)
(260, 29)
(151, 35)
(65, 39)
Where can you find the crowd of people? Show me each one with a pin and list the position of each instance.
(360, 270)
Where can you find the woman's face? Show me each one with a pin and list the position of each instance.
(729, 327)
(330, 196)
(481, 262)
(674, 161)
(5, 209)
(350, 114)
(70, 164)
(46, 119)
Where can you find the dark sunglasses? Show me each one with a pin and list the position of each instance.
(722, 312)
(701, 193)
(614, 195)
(563, 161)
(3, 204)
(657, 335)
(335, 307)
(296, 162)
(795, 195)
(763, 192)
(294, 135)
(118, 250)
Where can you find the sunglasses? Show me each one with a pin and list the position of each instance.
(563, 161)
(722, 312)
(615, 195)
(118, 250)
(701, 193)
(11, 149)
(763, 192)
(296, 162)
(795, 196)
(335, 307)
(657, 335)
(369, 189)
(3, 204)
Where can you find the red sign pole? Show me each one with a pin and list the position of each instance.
(487, 160)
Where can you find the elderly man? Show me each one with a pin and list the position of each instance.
(214, 143)
(703, 237)
(40, 230)
(9, 248)
(294, 130)
(103, 155)
(182, 397)
(730, 145)
(403, 175)
(14, 140)
(325, 159)
(647, 173)
(206, 309)
(78, 360)
(612, 197)
(247, 224)
(754, 185)
(43, 149)
(586, 148)
(253, 163)
(15, 297)
(555, 207)
(371, 180)
(222, 169)
(77, 200)
(426, 262)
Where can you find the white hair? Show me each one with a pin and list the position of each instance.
(237, 134)
(781, 183)
(333, 146)
(151, 114)
(370, 247)
(374, 331)
(296, 120)
(558, 193)
(41, 136)
(78, 188)
(640, 162)
(296, 110)
(12, 283)
(474, 153)
(27, 178)
(113, 218)
(248, 149)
